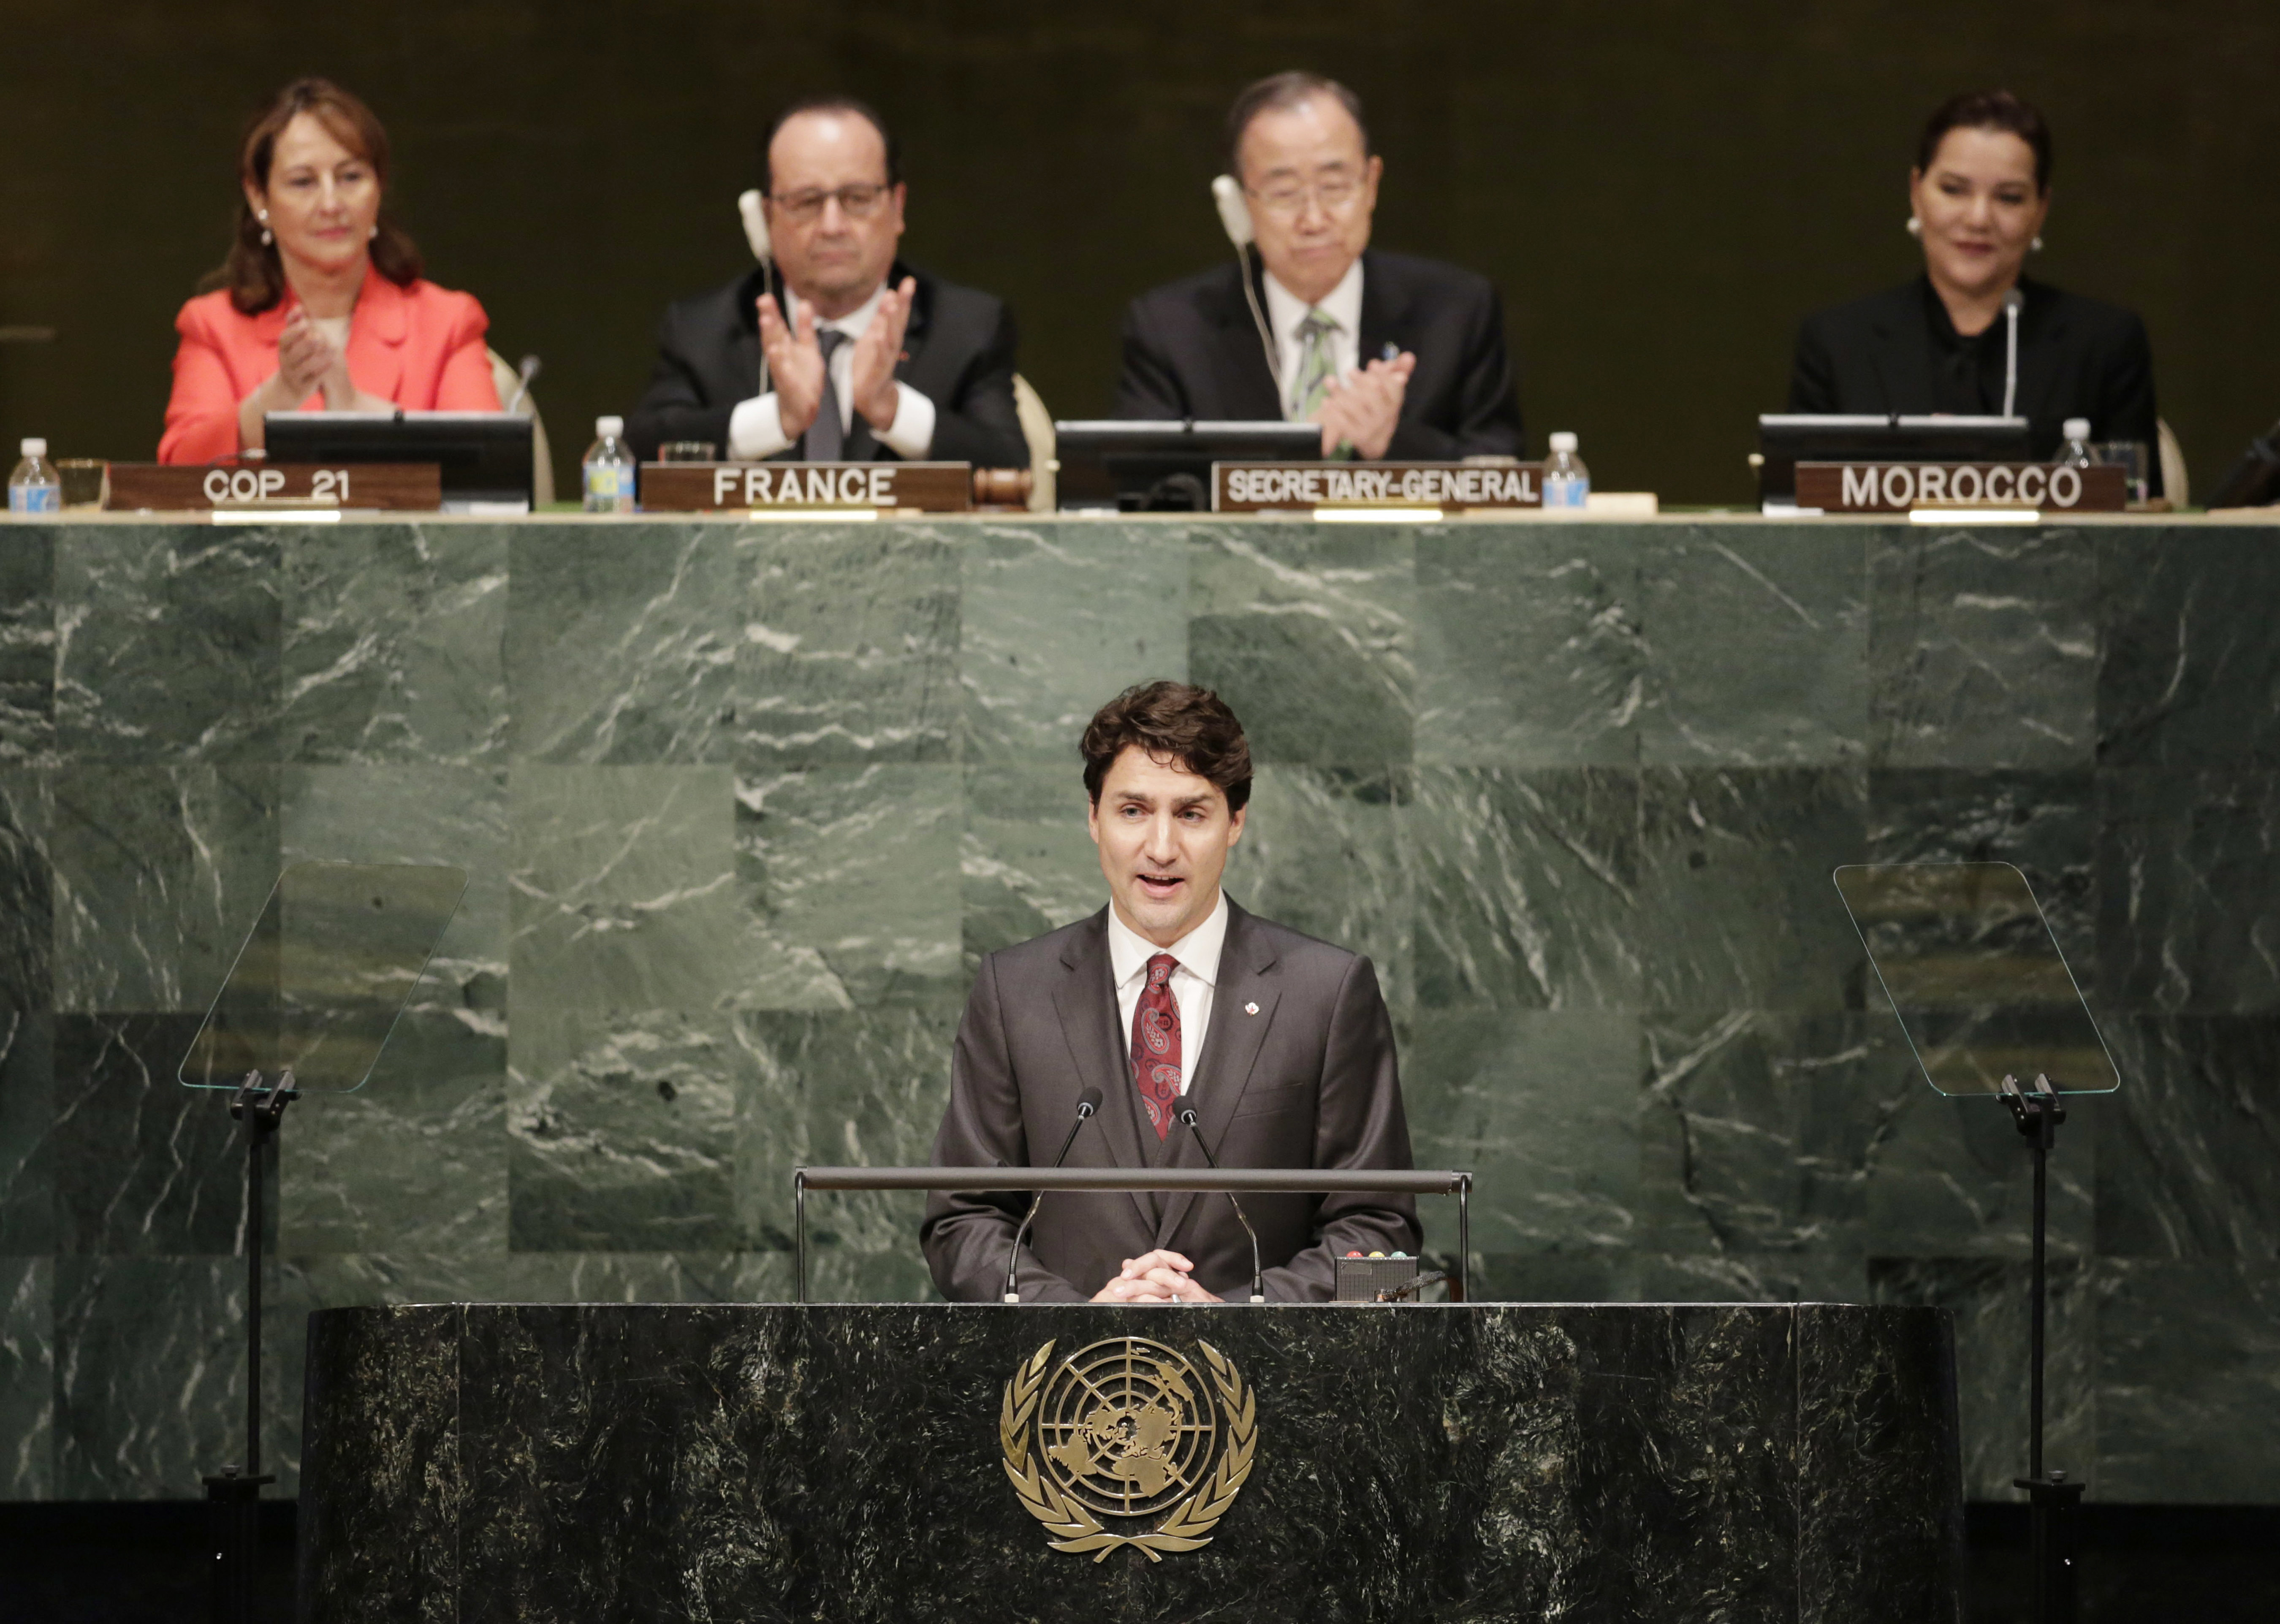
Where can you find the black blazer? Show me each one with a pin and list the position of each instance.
(1192, 350)
(957, 351)
(2077, 357)
(1310, 1080)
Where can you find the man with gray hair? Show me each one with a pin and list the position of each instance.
(1394, 356)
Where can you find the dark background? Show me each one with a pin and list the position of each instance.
(1661, 190)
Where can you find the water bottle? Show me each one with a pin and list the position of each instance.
(2075, 453)
(34, 487)
(609, 468)
(1567, 481)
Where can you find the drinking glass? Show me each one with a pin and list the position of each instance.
(86, 480)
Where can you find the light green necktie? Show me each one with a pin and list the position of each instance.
(1316, 364)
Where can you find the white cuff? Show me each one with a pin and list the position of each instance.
(756, 429)
(911, 436)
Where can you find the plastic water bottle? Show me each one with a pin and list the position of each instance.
(1567, 481)
(609, 468)
(34, 487)
(2075, 453)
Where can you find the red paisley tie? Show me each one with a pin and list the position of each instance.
(1156, 1044)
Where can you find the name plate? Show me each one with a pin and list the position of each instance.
(1896, 487)
(1271, 486)
(163, 488)
(709, 487)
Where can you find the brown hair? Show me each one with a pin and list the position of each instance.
(1278, 93)
(1173, 722)
(1988, 110)
(253, 273)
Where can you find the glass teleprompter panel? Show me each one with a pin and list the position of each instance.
(1973, 972)
(323, 974)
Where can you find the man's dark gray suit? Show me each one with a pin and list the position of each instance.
(957, 351)
(1191, 349)
(1309, 1081)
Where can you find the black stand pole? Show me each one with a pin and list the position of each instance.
(2051, 1500)
(234, 1499)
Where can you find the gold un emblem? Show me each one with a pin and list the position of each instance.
(1128, 1430)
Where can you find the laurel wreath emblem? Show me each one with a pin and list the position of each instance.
(1187, 1528)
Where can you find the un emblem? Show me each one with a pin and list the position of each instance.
(1128, 1430)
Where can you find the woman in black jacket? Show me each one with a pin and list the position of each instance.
(1978, 196)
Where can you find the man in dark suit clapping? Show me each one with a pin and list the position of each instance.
(855, 357)
(1394, 356)
(1169, 999)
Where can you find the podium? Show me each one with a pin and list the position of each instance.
(858, 1462)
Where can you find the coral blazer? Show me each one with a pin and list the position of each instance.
(420, 346)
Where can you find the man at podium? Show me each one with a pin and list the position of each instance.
(1171, 998)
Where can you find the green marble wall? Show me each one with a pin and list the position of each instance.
(742, 804)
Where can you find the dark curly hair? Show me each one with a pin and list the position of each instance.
(1173, 722)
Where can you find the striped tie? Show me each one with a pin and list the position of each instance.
(1316, 365)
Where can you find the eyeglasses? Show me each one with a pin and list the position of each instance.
(1289, 197)
(855, 202)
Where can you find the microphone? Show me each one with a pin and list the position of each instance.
(1087, 1103)
(1188, 1117)
(525, 373)
(2012, 301)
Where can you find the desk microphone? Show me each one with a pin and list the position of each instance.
(1188, 1117)
(1087, 1103)
(523, 374)
(2012, 301)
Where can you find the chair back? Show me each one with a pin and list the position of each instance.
(2174, 484)
(1037, 429)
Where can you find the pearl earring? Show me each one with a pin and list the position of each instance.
(369, 236)
(267, 237)
(1915, 226)
(2035, 247)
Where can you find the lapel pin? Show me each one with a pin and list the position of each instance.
(1250, 1009)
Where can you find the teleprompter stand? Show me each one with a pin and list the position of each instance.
(2053, 1501)
(234, 1498)
(316, 989)
(1984, 996)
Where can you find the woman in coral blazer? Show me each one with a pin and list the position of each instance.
(320, 305)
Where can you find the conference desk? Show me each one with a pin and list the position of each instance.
(850, 1463)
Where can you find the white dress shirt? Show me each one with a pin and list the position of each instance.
(756, 427)
(1285, 310)
(1193, 982)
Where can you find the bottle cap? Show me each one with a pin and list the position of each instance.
(34, 446)
(1563, 441)
(2077, 428)
(609, 427)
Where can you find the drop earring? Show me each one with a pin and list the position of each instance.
(2035, 247)
(1915, 226)
(267, 237)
